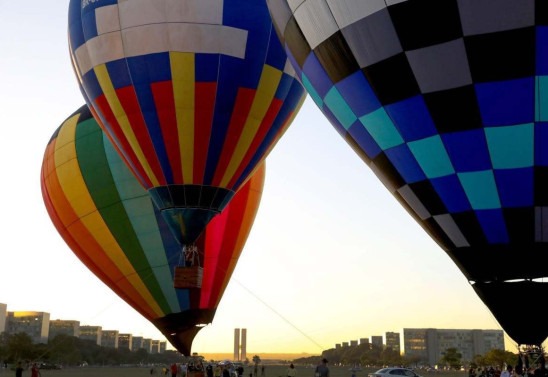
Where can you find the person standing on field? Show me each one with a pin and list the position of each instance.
(322, 370)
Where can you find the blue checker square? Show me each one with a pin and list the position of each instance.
(312, 92)
(431, 155)
(451, 193)
(493, 225)
(511, 146)
(541, 100)
(504, 103)
(317, 74)
(481, 189)
(381, 128)
(359, 95)
(338, 106)
(515, 187)
(401, 157)
(412, 118)
(541, 144)
(467, 150)
(541, 48)
(364, 139)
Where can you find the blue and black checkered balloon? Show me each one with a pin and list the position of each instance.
(447, 102)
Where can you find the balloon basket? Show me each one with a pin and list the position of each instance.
(188, 277)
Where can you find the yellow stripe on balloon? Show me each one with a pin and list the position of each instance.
(75, 190)
(112, 98)
(268, 85)
(183, 77)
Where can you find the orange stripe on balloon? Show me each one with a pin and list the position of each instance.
(86, 248)
(114, 128)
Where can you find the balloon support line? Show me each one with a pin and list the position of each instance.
(279, 314)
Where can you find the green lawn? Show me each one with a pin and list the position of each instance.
(271, 371)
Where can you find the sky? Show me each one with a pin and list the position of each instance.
(332, 256)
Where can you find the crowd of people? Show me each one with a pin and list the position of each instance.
(520, 370)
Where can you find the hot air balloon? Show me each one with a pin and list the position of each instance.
(445, 101)
(193, 94)
(109, 222)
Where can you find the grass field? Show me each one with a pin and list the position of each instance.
(271, 371)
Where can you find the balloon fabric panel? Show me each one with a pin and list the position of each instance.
(110, 223)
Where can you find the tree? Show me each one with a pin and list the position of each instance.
(452, 358)
(498, 357)
(19, 347)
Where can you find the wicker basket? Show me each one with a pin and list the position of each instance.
(188, 277)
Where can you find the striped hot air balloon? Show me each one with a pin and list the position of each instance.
(193, 94)
(110, 223)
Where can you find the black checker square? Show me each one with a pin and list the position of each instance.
(423, 23)
(468, 224)
(432, 227)
(392, 79)
(390, 176)
(504, 55)
(541, 12)
(541, 186)
(429, 197)
(336, 57)
(520, 224)
(454, 110)
(296, 42)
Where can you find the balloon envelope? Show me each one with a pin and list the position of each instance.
(447, 102)
(194, 95)
(110, 223)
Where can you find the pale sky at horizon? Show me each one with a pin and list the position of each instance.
(332, 256)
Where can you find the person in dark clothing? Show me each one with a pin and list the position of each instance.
(19, 370)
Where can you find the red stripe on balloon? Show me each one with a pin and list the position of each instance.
(130, 103)
(242, 106)
(266, 125)
(205, 94)
(165, 109)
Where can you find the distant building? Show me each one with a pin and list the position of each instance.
(155, 346)
(376, 340)
(353, 343)
(393, 341)
(338, 345)
(64, 327)
(364, 340)
(429, 345)
(125, 341)
(137, 343)
(236, 356)
(147, 345)
(243, 345)
(34, 324)
(163, 346)
(110, 338)
(93, 333)
(3, 317)
(345, 344)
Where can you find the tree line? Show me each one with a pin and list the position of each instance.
(374, 355)
(68, 350)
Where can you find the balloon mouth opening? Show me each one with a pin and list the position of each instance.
(202, 197)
